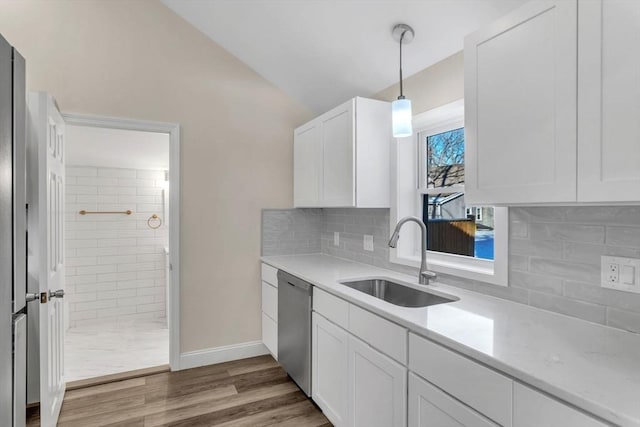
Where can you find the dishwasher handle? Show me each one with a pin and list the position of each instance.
(286, 279)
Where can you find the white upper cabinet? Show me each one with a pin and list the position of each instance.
(341, 158)
(608, 101)
(338, 154)
(307, 171)
(520, 106)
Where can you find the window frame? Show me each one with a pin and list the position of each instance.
(409, 170)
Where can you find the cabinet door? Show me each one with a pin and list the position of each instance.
(377, 388)
(270, 335)
(608, 101)
(329, 370)
(338, 145)
(533, 409)
(431, 407)
(520, 106)
(307, 165)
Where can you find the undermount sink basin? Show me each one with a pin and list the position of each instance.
(396, 293)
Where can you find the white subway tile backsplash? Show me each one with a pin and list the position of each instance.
(117, 173)
(101, 181)
(96, 269)
(77, 243)
(81, 189)
(114, 263)
(80, 171)
(564, 231)
(96, 287)
(117, 259)
(75, 316)
(78, 280)
(623, 236)
(117, 190)
(107, 243)
(80, 261)
(149, 191)
(83, 199)
(565, 269)
(156, 290)
(116, 277)
(627, 320)
(554, 253)
(150, 174)
(583, 310)
(145, 308)
(115, 311)
(136, 283)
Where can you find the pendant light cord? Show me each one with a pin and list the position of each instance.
(401, 37)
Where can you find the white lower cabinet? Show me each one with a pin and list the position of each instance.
(477, 386)
(534, 409)
(377, 388)
(431, 407)
(329, 369)
(270, 335)
(270, 309)
(357, 385)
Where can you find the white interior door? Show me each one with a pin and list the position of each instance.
(48, 145)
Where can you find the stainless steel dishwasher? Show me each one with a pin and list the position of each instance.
(294, 328)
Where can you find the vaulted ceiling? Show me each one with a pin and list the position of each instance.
(322, 52)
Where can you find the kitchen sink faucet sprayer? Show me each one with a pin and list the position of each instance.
(424, 275)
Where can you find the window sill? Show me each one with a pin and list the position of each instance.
(456, 265)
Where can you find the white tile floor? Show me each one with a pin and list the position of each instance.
(96, 350)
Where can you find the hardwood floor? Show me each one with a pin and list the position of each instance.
(251, 392)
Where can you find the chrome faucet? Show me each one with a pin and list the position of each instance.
(424, 275)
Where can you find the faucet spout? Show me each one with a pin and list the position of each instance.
(424, 275)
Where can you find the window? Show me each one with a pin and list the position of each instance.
(454, 227)
(464, 240)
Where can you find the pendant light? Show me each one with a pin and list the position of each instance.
(401, 108)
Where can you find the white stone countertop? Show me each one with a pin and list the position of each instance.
(594, 367)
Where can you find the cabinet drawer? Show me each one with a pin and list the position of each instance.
(270, 335)
(533, 409)
(430, 406)
(479, 387)
(270, 301)
(332, 308)
(270, 275)
(387, 337)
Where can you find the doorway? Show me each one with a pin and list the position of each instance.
(121, 246)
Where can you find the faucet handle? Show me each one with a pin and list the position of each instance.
(429, 275)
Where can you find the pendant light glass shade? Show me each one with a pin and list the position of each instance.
(401, 108)
(401, 118)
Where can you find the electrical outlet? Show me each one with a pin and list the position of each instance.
(368, 242)
(613, 273)
(619, 273)
(336, 238)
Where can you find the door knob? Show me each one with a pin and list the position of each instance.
(56, 294)
(32, 297)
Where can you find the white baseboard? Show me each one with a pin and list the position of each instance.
(211, 356)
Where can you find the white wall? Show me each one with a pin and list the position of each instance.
(115, 266)
(139, 60)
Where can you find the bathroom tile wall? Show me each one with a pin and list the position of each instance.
(554, 257)
(115, 264)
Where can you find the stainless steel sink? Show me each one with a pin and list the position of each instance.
(396, 293)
